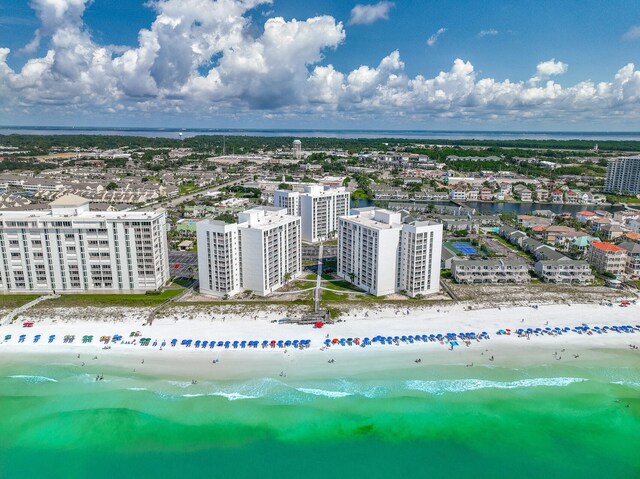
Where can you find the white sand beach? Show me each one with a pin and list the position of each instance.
(508, 350)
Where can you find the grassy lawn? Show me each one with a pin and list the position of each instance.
(182, 282)
(12, 301)
(187, 188)
(622, 199)
(110, 300)
(331, 296)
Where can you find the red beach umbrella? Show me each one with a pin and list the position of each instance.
(319, 324)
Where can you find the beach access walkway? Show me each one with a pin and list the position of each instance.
(317, 294)
(189, 289)
(21, 309)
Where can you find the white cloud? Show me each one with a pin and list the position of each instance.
(433, 39)
(632, 34)
(490, 32)
(547, 69)
(203, 59)
(368, 14)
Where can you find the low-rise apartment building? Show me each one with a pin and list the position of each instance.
(607, 257)
(489, 271)
(564, 271)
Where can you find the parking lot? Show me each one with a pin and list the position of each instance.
(186, 262)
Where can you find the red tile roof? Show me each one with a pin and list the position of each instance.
(610, 247)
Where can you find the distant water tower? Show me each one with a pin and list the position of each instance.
(297, 149)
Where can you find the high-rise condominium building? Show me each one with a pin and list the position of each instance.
(623, 176)
(260, 253)
(71, 248)
(318, 207)
(380, 254)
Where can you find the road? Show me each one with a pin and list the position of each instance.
(188, 197)
(173, 202)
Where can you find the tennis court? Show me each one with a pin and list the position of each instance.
(465, 248)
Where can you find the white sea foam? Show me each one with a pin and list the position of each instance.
(181, 384)
(463, 385)
(136, 389)
(232, 396)
(34, 379)
(324, 392)
(632, 384)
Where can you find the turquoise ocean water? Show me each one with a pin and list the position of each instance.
(562, 422)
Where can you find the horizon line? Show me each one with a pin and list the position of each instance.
(222, 129)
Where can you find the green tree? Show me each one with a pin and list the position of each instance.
(112, 186)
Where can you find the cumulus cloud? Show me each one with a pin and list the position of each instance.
(490, 32)
(632, 34)
(205, 58)
(547, 69)
(433, 39)
(368, 14)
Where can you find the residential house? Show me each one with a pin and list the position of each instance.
(486, 194)
(528, 221)
(585, 216)
(571, 197)
(607, 257)
(611, 232)
(542, 194)
(598, 222)
(557, 196)
(457, 194)
(632, 267)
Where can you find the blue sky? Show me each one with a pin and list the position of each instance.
(549, 65)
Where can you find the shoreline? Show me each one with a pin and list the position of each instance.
(507, 350)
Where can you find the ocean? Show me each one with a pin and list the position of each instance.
(56, 421)
(326, 133)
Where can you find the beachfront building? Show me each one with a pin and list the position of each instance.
(607, 257)
(218, 258)
(623, 176)
(260, 253)
(69, 248)
(380, 254)
(564, 270)
(489, 271)
(318, 207)
(632, 267)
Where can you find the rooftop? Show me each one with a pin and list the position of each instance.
(609, 247)
(69, 200)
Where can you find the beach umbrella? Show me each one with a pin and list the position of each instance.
(7, 337)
